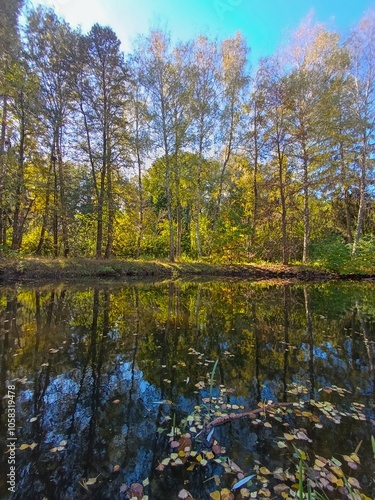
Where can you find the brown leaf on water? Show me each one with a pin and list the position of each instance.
(136, 490)
(234, 467)
(226, 494)
(280, 488)
(116, 468)
(354, 482)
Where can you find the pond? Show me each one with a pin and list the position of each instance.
(141, 390)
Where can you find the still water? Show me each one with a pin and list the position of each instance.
(102, 374)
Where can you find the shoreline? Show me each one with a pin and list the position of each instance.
(54, 270)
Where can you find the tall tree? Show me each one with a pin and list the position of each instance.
(102, 90)
(205, 74)
(362, 48)
(50, 43)
(9, 52)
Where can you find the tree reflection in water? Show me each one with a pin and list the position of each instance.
(102, 370)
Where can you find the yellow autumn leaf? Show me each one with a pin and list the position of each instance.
(90, 481)
(264, 471)
(289, 437)
(355, 458)
(24, 447)
(209, 455)
(337, 471)
(215, 495)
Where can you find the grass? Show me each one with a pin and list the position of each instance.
(48, 269)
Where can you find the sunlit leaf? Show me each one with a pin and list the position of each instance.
(116, 468)
(355, 458)
(289, 437)
(226, 494)
(282, 444)
(90, 481)
(24, 446)
(184, 494)
(215, 495)
(33, 445)
(267, 424)
(264, 471)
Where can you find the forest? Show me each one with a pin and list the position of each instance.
(183, 150)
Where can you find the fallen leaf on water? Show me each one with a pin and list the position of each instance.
(226, 494)
(184, 494)
(215, 495)
(280, 488)
(33, 445)
(136, 490)
(116, 468)
(24, 446)
(264, 471)
(289, 437)
(91, 480)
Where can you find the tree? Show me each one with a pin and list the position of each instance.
(50, 44)
(362, 49)
(9, 53)
(102, 92)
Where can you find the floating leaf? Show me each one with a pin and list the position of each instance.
(264, 471)
(289, 437)
(116, 468)
(280, 488)
(33, 445)
(24, 446)
(215, 495)
(354, 482)
(146, 482)
(282, 444)
(91, 480)
(33, 419)
(184, 494)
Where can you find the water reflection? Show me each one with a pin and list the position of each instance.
(94, 364)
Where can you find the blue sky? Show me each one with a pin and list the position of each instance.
(264, 23)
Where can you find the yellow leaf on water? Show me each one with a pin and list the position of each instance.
(215, 495)
(355, 458)
(209, 455)
(90, 481)
(267, 424)
(264, 471)
(289, 437)
(24, 446)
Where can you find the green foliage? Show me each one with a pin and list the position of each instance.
(331, 253)
(335, 255)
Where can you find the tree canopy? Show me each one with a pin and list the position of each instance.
(182, 150)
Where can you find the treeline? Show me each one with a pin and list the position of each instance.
(181, 149)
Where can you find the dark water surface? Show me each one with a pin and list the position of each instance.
(99, 372)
